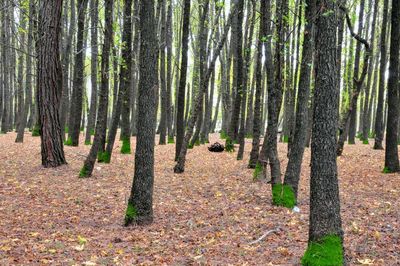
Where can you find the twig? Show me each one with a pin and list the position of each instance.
(276, 230)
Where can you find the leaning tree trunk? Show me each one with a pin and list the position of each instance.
(180, 104)
(391, 152)
(325, 229)
(101, 123)
(49, 83)
(293, 169)
(140, 203)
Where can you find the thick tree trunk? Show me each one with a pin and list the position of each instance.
(49, 83)
(325, 221)
(391, 152)
(140, 204)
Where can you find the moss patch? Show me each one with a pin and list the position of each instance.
(326, 252)
(365, 141)
(386, 170)
(92, 132)
(223, 135)
(87, 142)
(84, 172)
(66, 129)
(190, 146)
(257, 174)
(171, 140)
(68, 142)
(126, 146)
(283, 195)
(285, 139)
(197, 142)
(130, 214)
(104, 157)
(35, 131)
(229, 147)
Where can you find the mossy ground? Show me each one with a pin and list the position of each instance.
(103, 157)
(326, 252)
(130, 214)
(84, 172)
(257, 174)
(126, 146)
(229, 146)
(283, 195)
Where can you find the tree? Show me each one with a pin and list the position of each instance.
(293, 169)
(391, 152)
(93, 70)
(140, 203)
(180, 105)
(325, 243)
(49, 83)
(77, 92)
(382, 68)
(101, 123)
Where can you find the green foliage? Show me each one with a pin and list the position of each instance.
(35, 131)
(68, 142)
(66, 129)
(171, 140)
(84, 172)
(257, 174)
(283, 195)
(92, 132)
(229, 147)
(87, 142)
(326, 252)
(126, 146)
(103, 157)
(130, 214)
(222, 134)
(371, 135)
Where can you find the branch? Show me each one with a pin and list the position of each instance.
(276, 230)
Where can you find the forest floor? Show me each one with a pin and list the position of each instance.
(208, 215)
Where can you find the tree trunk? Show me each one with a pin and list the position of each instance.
(140, 204)
(101, 123)
(391, 152)
(49, 83)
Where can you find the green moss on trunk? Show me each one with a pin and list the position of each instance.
(285, 139)
(171, 140)
(257, 174)
(103, 157)
(130, 214)
(283, 195)
(365, 141)
(35, 131)
(68, 142)
(87, 142)
(386, 170)
(84, 172)
(326, 252)
(126, 146)
(229, 147)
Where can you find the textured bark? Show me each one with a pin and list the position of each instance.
(77, 92)
(49, 83)
(124, 77)
(168, 39)
(180, 104)
(391, 152)
(324, 191)
(258, 77)
(180, 166)
(141, 198)
(135, 68)
(379, 128)
(269, 151)
(163, 82)
(93, 69)
(101, 123)
(293, 169)
(6, 71)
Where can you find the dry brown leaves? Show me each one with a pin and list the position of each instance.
(206, 216)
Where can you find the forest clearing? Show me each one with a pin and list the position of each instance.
(206, 216)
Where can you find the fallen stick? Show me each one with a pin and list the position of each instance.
(265, 235)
